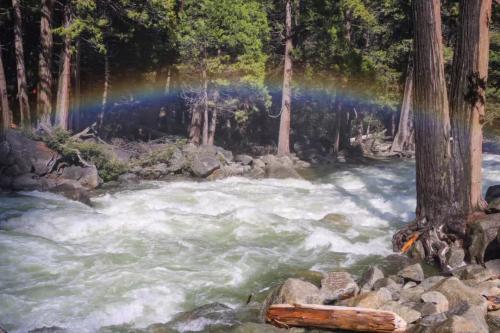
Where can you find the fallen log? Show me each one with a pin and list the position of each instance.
(335, 317)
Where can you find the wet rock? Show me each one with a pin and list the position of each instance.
(431, 281)
(369, 278)
(337, 286)
(74, 191)
(204, 164)
(2, 330)
(334, 218)
(5, 182)
(437, 299)
(493, 320)
(258, 163)
(394, 263)
(310, 276)
(210, 315)
(88, 177)
(31, 182)
(128, 178)
(280, 171)
(298, 291)
(483, 232)
(492, 193)
(159, 328)
(53, 329)
(244, 159)
(413, 273)
(257, 173)
(256, 328)
(371, 300)
(408, 314)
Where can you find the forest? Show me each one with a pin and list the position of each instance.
(249, 166)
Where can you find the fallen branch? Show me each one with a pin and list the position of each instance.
(335, 317)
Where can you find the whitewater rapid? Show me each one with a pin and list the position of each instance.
(143, 254)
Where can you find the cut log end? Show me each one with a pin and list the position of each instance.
(335, 317)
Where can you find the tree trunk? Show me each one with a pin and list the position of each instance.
(105, 92)
(22, 89)
(284, 133)
(63, 92)
(75, 114)
(4, 101)
(195, 127)
(213, 127)
(432, 136)
(44, 97)
(169, 78)
(467, 103)
(205, 102)
(403, 136)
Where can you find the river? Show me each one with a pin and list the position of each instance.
(143, 254)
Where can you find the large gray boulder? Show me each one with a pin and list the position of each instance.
(243, 159)
(482, 233)
(413, 273)
(337, 286)
(204, 164)
(281, 171)
(295, 291)
(87, 177)
(369, 277)
(370, 300)
(31, 182)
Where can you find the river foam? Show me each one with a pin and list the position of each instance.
(140, 256)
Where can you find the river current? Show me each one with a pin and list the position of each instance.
(145, 253)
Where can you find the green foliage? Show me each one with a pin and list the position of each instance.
(158, 156)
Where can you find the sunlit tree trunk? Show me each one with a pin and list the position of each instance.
(213, 127)
(105, 92)
(44, 96)
(76, 90)
(467, 103)
(286, 104)
(22, 89)
(4, 100)
(63, 92)
(402, 140)
(205, 100)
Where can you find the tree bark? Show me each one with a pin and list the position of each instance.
(75, 114)
(213, 127)
(467, 103)
(44, 97)
(402, 140)
(105, 92)
(195, 126)
(205, 100)
(284, 132)
(4, 101)
(63, 98)
(435, 212)
(22, 88)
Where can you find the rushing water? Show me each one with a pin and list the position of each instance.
(142, 255)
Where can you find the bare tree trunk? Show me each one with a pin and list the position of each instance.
(169, 78)
(105, 92)
(75, 115)
(402, 139)
(63, 92)
(336, 137)
(4, 101)
(44, 97)
(286, 104)
(467, 103)
(195, 126)
(22, 89)
(213, 127)
(205, 103)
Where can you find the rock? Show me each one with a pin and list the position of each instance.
(370, 300)
(483, 232)
(431, 321)
(159, 328)
(226, 155)
(477, 273)
(244, 159)
(214, 314)
(31, 156)
(369, 278)
(280, 171)
(256, 328)
(204, 164)
(257, 173)
(394, 263)
(455, 257)
(486, 288)
(492, 193)
(2, 330)
(337, 286)
(456, 324)
(177, 161)
(417, 251)
(493, 320)
(437, 299)
(388, 283)
(407, 313)
(88, 177)
(53, 329)
(413, 273)
(310, 276)
(5, 182)
(128, 178)
(334, 218)
(409, 285)
(457, 293)
(71, 189)
(431, 281)
(298, 291)
(31, 182)
(258, 163)
(494, 206)
(494, 266)
(411, 294)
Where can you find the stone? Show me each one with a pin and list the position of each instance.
(456, 324)
(88, 177)
(52, 329)
(2, 330)
(257, 328)
(455, 257)
(209, 314)
(457, 293)
(204, 164)
(128, 178)
(483, 232)
(369, 277)
(417, 251)
(388, 283)
(394, 263)
(493, 320)
(431, 281)
(408, 314)
(486, 288)
(411, 294)
(494, 206)
(244, 159)
(177, 161)
(413, 273)
(409, 285)
(337, 286)
(71, 189)
(494, 266)
(298, 291)
(258, 163)
(492, 193)
(159, 328)
(477, 273)
(257, 173)
(31, 182)
(226, 155)
(280, 171)
(437, 299)
(370, 300)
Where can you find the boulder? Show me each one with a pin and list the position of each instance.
(369, 278)
(455, 256)
(214, 314)
(492, 193)
(280, 171)
(52, 329)
(256, 328)
(494, 206)
(483, 232)
(88, 177)
(413, 273)
(71, 189)
(258, 163)
(226, 155)
(337, 286)
(32, 182)
(388, 283)
(477, 273)
(494, 266)
(257, 173)
(370, 300)
(177, 161)
(437, 299)
(244, 159)
(411, 295)
(159, 328)
(409, 285)
(204, 164)
(431, 281)
(457, 293)
(298, 291)
(408, 314)
(493, 320)
(456, 324)
(128, 178)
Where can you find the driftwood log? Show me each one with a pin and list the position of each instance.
(335, 317)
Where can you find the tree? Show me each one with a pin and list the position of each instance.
(22, 93)
(44, 96)
(432, 133)
(63, 91)
(404, 139)
(467, 104)
(286, 103)
(4, 100)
